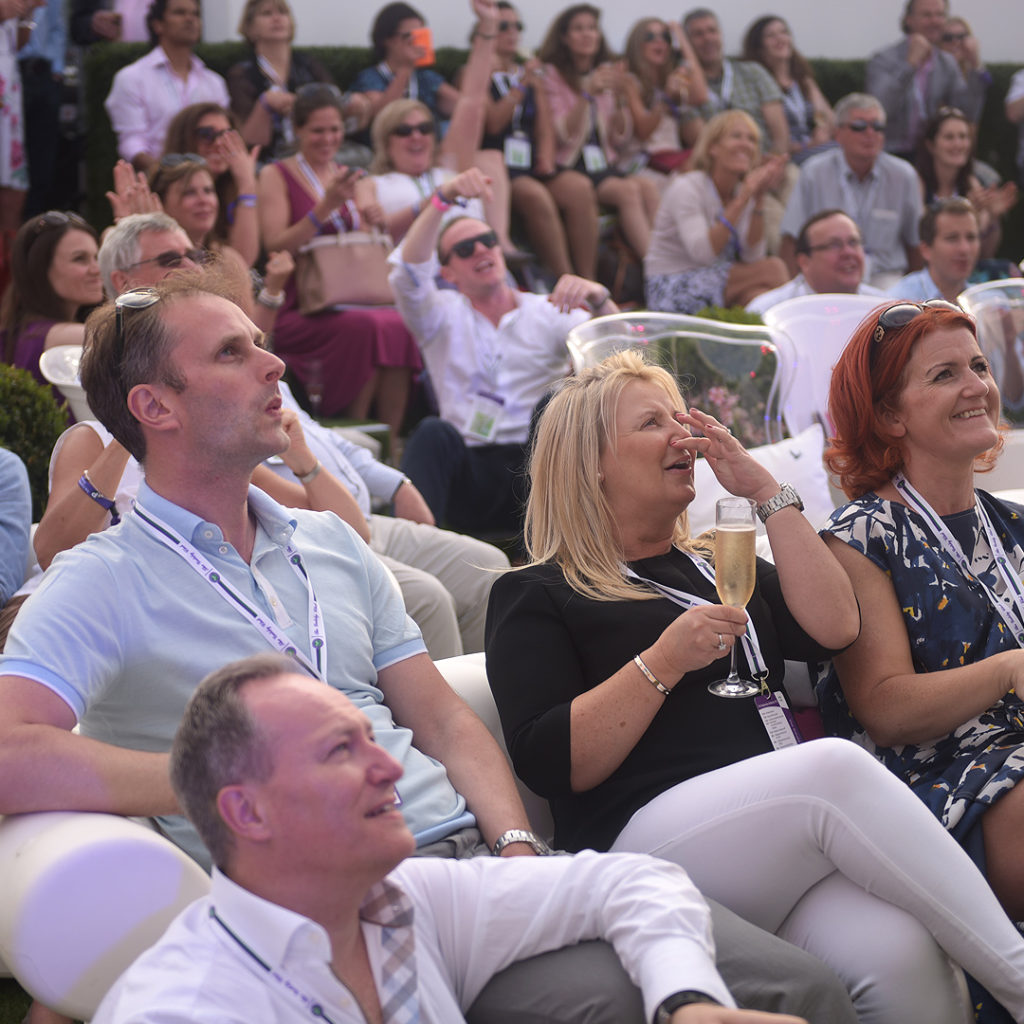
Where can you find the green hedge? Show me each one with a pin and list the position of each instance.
(997, 139)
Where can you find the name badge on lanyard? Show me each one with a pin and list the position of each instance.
(518, 152)
(485, 415)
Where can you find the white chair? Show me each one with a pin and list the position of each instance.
(84, 894)
(59, 365)
(998, 307)
(728, 370)
(811, 332)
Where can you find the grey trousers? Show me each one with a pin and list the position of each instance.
(586, 983)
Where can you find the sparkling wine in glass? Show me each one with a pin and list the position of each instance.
(736, 531)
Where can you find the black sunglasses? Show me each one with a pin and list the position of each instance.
(172, 260)
(862, 126)
(135, 299)
(169, 160)
(204, 133)
(955, 37)
(504, 26)
(403, 131)
(663, 35)
(464, 249)
(900, 314)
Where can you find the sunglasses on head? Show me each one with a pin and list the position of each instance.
(205, 133)
(171, 260)
(504, 26)
(663, 35)
(900, 314)
(860, 125)
(403, 131)
(57, 219)
(464, 249)
(169, 160)
(135, 299)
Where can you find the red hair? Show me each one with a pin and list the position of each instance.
(866, 383)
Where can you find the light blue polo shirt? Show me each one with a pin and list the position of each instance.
(123, 630)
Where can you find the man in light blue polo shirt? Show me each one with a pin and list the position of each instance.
(203, 571)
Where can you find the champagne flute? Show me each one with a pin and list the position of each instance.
(736, 530)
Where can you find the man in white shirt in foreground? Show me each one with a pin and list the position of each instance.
(315, 909)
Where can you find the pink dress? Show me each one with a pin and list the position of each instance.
(336, 352)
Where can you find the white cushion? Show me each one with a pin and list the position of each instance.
(795, 461)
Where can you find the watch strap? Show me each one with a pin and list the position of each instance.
(787, 496)
(668, 1006)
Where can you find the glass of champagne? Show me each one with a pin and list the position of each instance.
(736, 530)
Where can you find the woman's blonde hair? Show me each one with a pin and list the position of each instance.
(568, 519)
(713, 133)
(250, 10)
(385, 123)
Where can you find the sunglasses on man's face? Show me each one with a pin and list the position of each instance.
(171, 260)
(860, 126)
(208, 134)
(465, 248)
(504, 26)
(403, 131)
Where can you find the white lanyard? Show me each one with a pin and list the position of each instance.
(504, 81)
(172, 540)
(1009, 604)
(751, 647)
(413, 90)
(720, 100)
(318, 190)
(282, 122)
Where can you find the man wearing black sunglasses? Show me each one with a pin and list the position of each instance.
(915, 77)
(879, 192)
(142, 249)
(492, 352)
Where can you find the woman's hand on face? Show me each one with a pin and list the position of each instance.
(700, 636)
(732, 465)
(297, 456)
(241, 161)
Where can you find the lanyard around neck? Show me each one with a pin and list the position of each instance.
(1009, 604)
(282, 981)
(751, 646)
(346, 217)
(281, 642)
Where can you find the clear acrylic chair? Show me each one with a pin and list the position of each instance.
(998, 307)
(811, 332)
(728, 370)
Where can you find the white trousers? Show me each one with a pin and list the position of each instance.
(823, 846)
(445, 579)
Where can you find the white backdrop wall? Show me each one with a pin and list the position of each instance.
(822, 28)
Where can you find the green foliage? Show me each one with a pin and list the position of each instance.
(30, 423)
(730, 315)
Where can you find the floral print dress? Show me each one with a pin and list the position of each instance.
(13, 167)
(950, 621)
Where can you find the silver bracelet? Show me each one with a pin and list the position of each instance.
(269, 299)
(650, 676)
(312, 474)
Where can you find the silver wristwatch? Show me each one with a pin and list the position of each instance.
(520, 835)
(786, 496)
